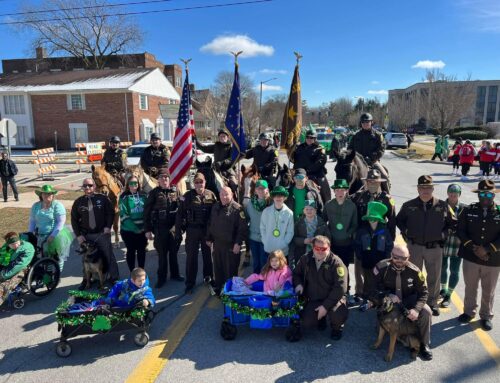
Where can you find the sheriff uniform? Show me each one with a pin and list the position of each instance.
(115, 160)
(265, 159)
(153, 159)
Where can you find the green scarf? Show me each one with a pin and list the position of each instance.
(258, 204)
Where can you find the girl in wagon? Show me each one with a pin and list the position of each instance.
(275, 273)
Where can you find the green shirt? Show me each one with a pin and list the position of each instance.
(300, 201)
(132, 212)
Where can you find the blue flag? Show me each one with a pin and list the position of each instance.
(234, 119)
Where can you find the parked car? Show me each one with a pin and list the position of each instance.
(396, 140)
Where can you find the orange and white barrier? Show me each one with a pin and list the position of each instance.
(47, 169)
(44, 160)
(44, 156)
(42, 151)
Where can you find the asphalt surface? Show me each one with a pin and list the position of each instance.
(29, 335)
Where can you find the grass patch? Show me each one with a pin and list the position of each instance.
(418, 151)
(13, 219)
(70, 195)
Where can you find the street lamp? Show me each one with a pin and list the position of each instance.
(260, 100)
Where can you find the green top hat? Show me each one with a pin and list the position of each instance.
(376, 212)
(279, 190)
(49, 189)
(340, 184)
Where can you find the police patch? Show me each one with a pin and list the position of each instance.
(392, 202)
(421, 276)
(242, 214)
(340, 271)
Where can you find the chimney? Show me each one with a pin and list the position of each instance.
(41, 53)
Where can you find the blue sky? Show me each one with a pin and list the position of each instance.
(350, 47)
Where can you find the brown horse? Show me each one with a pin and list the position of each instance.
(248, 173)
(148, 182)
(105, 183)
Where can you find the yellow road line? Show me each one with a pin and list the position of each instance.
(485, 339)
(153, 363)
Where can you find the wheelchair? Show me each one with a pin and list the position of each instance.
(41, 278)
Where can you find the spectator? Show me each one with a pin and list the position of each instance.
(8, 171)
(455, 158)
(487, 156)
(467, 154)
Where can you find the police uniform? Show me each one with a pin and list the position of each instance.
(159, 218)
(222, 160)
(193, 215)
(324, 283)
(412, 292)
(265, 159)
(478, 226)
(153, 159)
(423, 225)
(115, 160)
(227, 226)
(313, 158)
(82, 225)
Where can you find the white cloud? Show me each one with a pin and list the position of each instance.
(375, 82)
(378, 92)
(273, 71)
(428, 64)
(269, 88)
(223, 45)
(482, 15)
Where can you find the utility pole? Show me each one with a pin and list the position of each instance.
(260, 99)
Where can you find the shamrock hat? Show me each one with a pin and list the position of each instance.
(376, 212)
(279, 190)
(262, 183)
(340, 184)
(48, 189)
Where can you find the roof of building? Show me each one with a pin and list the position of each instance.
(90, 80)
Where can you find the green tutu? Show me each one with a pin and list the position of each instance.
(59, 248)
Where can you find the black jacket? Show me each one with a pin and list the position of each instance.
(155, 158)
(103, 212)
(312, 158)
(361, 199)
(265, 159)
(222, 154)
(115, 160)
(368, 143)
(160, 209)
(8, 168)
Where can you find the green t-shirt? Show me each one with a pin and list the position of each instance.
(300, 200)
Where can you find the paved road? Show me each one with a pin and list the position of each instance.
(186, 347)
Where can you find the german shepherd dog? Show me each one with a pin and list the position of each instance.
(392, 319)
(93, 263)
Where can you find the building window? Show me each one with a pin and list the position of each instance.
(171, 102)
(492, 103)
(480, 102)
(14, 104)
(22, 135)
(143, 102)
(171, 79)
(177, 82)
(76, 102)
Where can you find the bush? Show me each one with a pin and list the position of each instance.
(471, 135)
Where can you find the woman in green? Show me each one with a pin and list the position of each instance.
(132, 223)
(47, 219)
(438, 148)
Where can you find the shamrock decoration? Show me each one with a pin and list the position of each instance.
(101, 323)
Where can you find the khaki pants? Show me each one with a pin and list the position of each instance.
(432, 259)
(424, 323)
(488, 275)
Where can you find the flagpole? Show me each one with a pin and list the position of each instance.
(238, 171)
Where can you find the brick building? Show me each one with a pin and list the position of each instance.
(73, 106)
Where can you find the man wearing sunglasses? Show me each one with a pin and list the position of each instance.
(479, 233)
(92, 216)
(405, 284)
(192, 217)
(321, 278)
(155, 156)
(311, 156)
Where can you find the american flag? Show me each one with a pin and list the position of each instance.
(182, 150)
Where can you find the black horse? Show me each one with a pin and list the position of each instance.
(206, 168)
(284, 177)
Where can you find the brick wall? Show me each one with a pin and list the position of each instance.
(104, 115)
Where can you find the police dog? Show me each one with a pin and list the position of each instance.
(93, 263)
(392, 319)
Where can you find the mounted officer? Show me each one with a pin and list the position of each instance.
(370, 144)
(311, 156)
(265, 158)
(223, 162)
(155, 156)
(115, 159)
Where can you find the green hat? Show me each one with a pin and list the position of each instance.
(49, 189)
(279, 190)
(340, 184)
(454, 188)
(376, 212)
(310, 203)
(261, 183)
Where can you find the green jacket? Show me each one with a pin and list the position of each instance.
(19, 260)
(132, 212)
(342, 221)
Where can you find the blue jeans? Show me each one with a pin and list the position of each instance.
(259, 255)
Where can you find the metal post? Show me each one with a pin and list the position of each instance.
(8, 136)
(55, 141)
(260, 100)
(126, 117)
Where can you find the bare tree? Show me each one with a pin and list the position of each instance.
(82, 29)
(221, 91)
(400, 117)
(272, 111)
(446, 100)
(340, 109)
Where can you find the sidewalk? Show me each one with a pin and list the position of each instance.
(26, 200)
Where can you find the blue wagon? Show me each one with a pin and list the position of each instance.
(259, 311)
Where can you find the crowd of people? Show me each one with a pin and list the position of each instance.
(309, 234)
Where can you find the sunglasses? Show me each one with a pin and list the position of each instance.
(486, 194)
(310, 137)
(133, 183)
(87, 185)
(399, 257)
(299, 177)
(318, 248)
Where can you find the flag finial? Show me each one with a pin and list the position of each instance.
(298, 56)
(236, 56)
(186, 63)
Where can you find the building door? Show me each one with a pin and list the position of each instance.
(78, 133)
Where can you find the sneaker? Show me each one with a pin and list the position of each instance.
(17, 199)
(435, 311)
(425, 352)
(336, 334)
(446, 301)
(350, 300)
(486, 324)
(464, 318)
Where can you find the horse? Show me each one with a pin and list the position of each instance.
(148, 182)
(214, 180)
(106, 184)
(284, 177)
(351, 167)
(249, 176)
